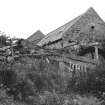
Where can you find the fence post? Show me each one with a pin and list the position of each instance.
(96, 53)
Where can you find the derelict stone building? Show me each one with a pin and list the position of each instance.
(87, 27)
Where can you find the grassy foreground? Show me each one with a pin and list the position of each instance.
(38, 82)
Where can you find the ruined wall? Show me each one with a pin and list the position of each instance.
(88, 28)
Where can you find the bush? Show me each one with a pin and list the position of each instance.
(27, 82)
(94, 82)
(3, 40)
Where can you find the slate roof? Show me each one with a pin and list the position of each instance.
(58, 33)
(36, 37)
(90, 16)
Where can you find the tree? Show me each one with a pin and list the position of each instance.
(3, 40)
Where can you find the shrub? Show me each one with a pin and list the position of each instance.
(94, 82)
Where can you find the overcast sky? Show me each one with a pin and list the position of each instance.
(21, 18)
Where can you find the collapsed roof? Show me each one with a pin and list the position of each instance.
(86, 27)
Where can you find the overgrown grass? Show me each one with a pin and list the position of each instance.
(38, 82)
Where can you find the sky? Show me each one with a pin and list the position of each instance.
(21, 18)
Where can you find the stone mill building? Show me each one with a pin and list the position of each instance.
(82, 36)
